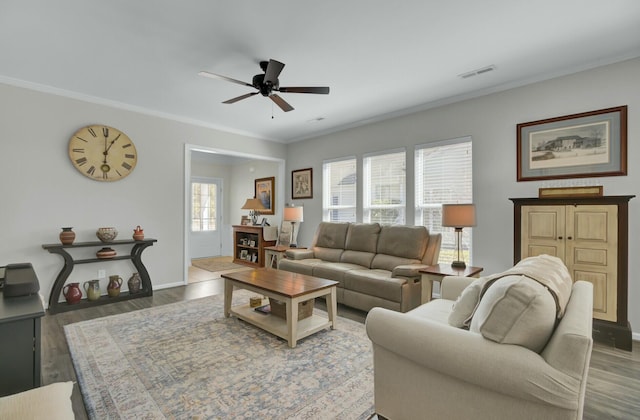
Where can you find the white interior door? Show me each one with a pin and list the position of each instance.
(206, 216)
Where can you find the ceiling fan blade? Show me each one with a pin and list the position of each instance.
(228, 79)
(284, 105)
(273, 71)
(297, 89)
(239, 98)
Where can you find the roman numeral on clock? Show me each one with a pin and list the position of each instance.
(91, 170)
(81, 161)
(129, 156)
(92, 132)
(78, 150)
(126, 166)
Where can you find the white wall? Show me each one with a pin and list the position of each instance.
(41, 192)
(491, 121)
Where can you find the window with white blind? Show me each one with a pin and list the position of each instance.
(339, 190)
(444, 176)
(384, 186)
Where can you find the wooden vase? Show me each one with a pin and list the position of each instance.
(67, 236)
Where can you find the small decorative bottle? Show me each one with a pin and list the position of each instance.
(67, 236)
(134, 283)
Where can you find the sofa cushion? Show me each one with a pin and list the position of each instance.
(516, 310)
(407, 242)
(327, 254)
(299, 266)
(389, 262)
(462, 309)
(331, 235)
(362, 237)
(375, 283)
(334, 271)
(363, 259)
(52, 402)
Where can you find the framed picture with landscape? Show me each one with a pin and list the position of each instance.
(590, 144)
(302, 183)
(265, 192)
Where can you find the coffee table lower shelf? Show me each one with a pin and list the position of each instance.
(278, 326)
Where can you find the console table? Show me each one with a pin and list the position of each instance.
(135, 256)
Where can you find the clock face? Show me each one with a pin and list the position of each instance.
(102, 153)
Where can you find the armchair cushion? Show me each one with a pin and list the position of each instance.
(463, 308)
(516, 310)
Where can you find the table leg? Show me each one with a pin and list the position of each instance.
(292, 321)
(427, 287)
(228, 294)
(332, 307)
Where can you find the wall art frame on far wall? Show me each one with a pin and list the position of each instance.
(264, 189)
(590, 144)
(302, 183)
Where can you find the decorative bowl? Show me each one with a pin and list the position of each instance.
(106, 253)
(107, 234)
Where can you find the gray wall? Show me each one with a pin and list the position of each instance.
(41, 191)
(491, 121)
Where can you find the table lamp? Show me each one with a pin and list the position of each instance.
(294, 214)
(458, 216)
(254, 205)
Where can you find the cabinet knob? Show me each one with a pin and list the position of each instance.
(569, 238)
(559, 237)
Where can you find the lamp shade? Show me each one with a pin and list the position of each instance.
(253, 204)
(458, 215)
(294, 214)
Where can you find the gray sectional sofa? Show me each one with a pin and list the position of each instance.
(375, 265)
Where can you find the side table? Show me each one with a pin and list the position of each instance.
(438, 271)
(275, 254)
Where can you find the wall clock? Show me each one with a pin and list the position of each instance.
(102, 153)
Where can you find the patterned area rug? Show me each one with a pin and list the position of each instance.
(186, 361)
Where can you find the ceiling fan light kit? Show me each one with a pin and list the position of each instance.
(267, 83)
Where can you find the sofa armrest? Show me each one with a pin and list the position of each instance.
(452, 286)
(466, 356)
(408, 270)
(299, 254)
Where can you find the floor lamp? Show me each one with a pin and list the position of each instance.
(458, 216)
(294, 214)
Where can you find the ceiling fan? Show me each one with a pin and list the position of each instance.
(267, 83)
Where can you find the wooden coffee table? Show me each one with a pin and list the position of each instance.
(290, 288)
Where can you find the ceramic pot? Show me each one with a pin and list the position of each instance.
(113, 288)
(138, 233)
(107, 234)
(134, 283)
(106, 253)
(67, 236)
(92, 288)
(72, 293)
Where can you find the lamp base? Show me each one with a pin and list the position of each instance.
(458, 264)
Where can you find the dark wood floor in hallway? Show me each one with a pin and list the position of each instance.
(613, 388)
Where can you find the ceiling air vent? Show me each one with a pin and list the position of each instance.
(477, 72)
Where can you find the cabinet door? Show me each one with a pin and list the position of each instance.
(592, 254)
(16, 356)
(542, 231)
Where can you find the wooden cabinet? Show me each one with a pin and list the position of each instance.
(590, 234)
(20, 350)
(249, 244)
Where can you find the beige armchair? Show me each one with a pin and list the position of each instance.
(425, 368)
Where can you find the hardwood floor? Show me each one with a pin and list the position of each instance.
(613, 388)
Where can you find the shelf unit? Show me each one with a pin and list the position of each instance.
(249, 240)
(69, 262)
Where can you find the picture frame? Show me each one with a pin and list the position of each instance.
(586, 191)
(264, 189)
(589, 144)
(302, 183)
(243, 254)
(246, 220)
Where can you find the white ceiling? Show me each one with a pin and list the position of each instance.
(380, 58)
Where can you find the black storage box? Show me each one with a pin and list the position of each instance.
(20, 280)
